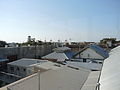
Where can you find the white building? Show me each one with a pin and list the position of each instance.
(91, 52)
(59, 54)
(23, 67)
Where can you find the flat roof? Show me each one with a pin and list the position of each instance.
(64, 78)
(90, 66)
(49, 65)
(26, 62)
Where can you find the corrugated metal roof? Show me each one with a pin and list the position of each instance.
(55, 55)
(62, 49)
(99, 50)
(69, 54)
(110, 75)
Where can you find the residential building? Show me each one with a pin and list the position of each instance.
(23, 67)
(59, 54)
(91, 52)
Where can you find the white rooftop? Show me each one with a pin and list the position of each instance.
(49, 65)
(26, 62)
(57, 56)
(65, 78)
(110, 75)
(90, 66)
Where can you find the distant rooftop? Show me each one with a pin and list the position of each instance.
(2, 60)
(60, 54)
(61, 49)
(57, 56)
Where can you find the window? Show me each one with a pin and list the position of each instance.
(88, 55)
(18, 68)
(84, 60)
(24, 69)
(12, 69)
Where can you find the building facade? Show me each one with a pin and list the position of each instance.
(23, 67)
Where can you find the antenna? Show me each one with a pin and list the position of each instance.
(117, 26)
(45, 39)
(70, 40)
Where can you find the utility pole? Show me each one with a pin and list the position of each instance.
(38, 79)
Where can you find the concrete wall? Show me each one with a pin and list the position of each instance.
(26, 52)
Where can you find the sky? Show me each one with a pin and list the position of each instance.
(78, 20)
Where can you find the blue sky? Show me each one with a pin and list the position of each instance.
(80, 20)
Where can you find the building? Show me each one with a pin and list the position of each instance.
(91, 52)
(64, 78)
(23, 67)
(12, 45)
(110, 74)
(59, 54)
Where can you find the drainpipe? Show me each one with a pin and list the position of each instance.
(98, 86)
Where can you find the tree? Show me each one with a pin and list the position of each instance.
(105, 40)
(2, 43)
